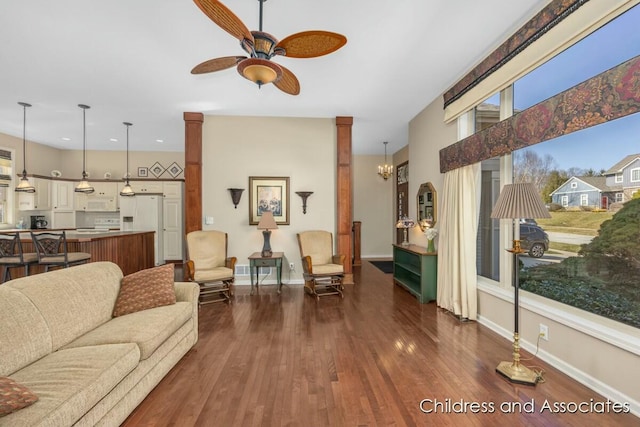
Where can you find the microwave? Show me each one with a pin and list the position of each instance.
(101, 204)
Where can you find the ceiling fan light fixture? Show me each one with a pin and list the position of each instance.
(260, 71)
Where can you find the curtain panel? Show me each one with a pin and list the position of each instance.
(608, 96)
(457, 273)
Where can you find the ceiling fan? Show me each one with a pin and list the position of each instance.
(262, 46)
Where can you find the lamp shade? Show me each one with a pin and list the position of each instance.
(519, 200)
(267, 221)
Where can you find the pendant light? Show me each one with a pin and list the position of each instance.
(84, 186)
(24, 186)
(127, 191)
(387, 170)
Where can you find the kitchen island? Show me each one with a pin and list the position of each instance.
(131, 250)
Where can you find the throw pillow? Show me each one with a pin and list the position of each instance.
(14, 396)
(146, 289)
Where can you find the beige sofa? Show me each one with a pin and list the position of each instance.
(59, 339)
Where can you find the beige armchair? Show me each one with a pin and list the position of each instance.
(209, 266)
(322, 270)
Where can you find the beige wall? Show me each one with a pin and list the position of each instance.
(235, 148)
(373, 206)
(595, 351)
(427, 135)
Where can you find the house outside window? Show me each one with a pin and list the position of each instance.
(574, 185)
(564, 200)
(619, 197)
(635, 175)
(584, 200)
(619, 178)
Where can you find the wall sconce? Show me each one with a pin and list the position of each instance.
(304, 195)
(236, 193)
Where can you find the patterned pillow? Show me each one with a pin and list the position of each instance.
(14, 396)
(146, 289)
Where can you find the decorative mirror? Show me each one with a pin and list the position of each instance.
(427, 206)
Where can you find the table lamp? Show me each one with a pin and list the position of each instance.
(266, 224)
(518, 201)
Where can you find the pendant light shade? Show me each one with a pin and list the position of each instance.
(24, 186)
(84, 186)
(127, 191)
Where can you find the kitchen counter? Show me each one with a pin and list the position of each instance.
(131, 250)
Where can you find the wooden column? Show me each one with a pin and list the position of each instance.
(357, 229)
(193, 171)
(345, 194)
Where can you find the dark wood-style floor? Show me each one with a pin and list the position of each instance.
(366, 360)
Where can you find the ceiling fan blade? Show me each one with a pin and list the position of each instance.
(225, 19)
(310, 44)
(288, 83)
(217, 64)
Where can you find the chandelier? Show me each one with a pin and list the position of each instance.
(386, 170)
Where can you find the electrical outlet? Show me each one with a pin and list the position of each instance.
(544, 332)
(292, 266)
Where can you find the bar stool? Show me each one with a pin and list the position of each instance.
(11, 255)
(53, 252)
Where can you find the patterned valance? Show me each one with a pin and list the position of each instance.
(608, 96)
(545, 20)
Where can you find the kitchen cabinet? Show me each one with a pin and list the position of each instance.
(147, 186)
(172, 212)
(40, 200)
(62, 196)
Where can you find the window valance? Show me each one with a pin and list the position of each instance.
(608, 96)
(557, 26)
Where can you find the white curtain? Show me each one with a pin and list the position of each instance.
(457, 273)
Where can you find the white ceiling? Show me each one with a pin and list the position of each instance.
(130, 60)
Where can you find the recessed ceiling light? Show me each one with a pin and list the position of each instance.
(159, 140)
(113, 139)
(64, 138)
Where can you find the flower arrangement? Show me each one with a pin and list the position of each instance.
(431, 233)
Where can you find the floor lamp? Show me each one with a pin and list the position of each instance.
(518, 201)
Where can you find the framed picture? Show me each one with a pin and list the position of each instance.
(174, 169)
(269, 194)
(157, 169)
(143, 172)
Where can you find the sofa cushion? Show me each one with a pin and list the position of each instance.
(148, 328)
(14, 396)
(146, 289)
(72, 300)
(24, 335)
(70, 382)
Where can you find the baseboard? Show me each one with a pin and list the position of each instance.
(583, 378)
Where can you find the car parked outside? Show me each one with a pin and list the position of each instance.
(534, 240)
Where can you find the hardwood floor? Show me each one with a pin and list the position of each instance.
(366, 360)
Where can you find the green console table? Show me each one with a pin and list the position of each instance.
(416, 270)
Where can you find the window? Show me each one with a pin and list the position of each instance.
(606, 284)
(488, 241)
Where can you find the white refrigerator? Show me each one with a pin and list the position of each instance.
(143, 213)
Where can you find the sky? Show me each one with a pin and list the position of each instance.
(602, 146)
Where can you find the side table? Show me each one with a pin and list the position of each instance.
(256, 260)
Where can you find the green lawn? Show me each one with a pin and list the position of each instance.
(576, 222)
